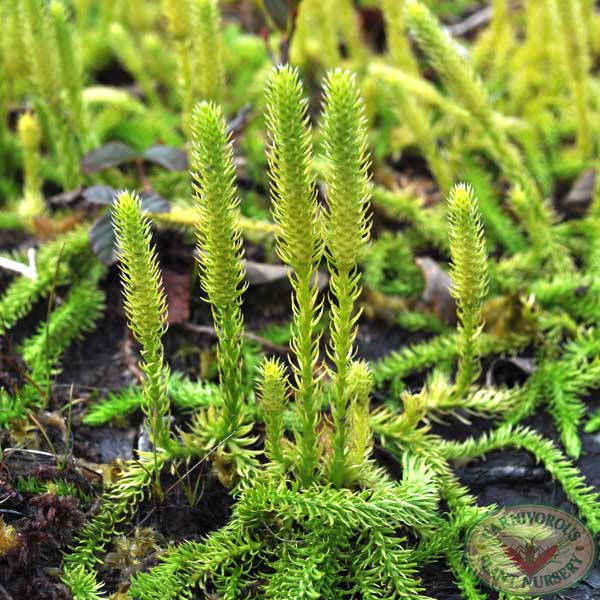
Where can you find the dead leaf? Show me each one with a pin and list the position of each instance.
(47, 228)
(263, 273)
(177, 288)
(580, 195)
(510, 370)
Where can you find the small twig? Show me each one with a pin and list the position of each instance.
(29, 270)
(277, 537)
(5, 593)
(472, 22)
(237, 124)
(44, 434)
(147, 186)
(13, 365)
(254, 337)
(9, 451)
(8, 511)
(264, 34)
(286, 41)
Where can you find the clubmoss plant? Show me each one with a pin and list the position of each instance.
(346, 233)
(400, 53)
(577, 61)
(145, 305)
(469, 278)
(43, 351)
(125, 47)
(220, 247)
(418, 121)
(299, 244)
(30, 137)
(467, 87)
(292, 438)
(209, 59)
(70, 71)
(44, 53)
(273, 392)
(57, 262)
(196, 31)
(180, 21)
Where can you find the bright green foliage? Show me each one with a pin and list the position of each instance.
(126, 49)
(577, 61)
(180, 24)
(561, 469)
(491, 47)
(419, 122)
(299, 244)
(184, 394)
(401, 55)
(389, 267)
(44, 59)
(82, 583)
(498, 225)
(536, 219)
(42, 352)
(196, 31)
(428, 223)
(469, 278)
(562, 382)
(324, 525)
(145, 305)
(60, 487)
(459, 77)
(441, 350)
(69, 69)
(513, 114)
(360, 435)
(68, 321)
(346, 233)
(442, 51)
(220, 246)
(315, 40)
(56, 263)
(178, 15)
(114, 406)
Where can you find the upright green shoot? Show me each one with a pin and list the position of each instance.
(219, 239)
(273, 392)
(210, 73)
(69, 68)
(180, 24)
(146, 308)
(43, 58)
(360, 442)
(577, 59)
(346, 232)
(469, 279)
(299, 244)
(30, 138)
(399, 51)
